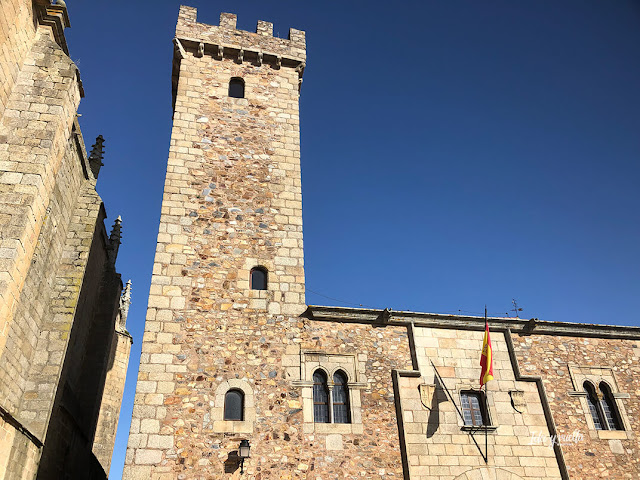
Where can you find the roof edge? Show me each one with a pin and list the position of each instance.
(465, 322)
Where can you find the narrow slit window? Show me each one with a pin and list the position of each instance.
(234, 405)
(592, 400)
(473, 409)
(258, 278)
(341, 410)
(609, 408)
(320, 397)
(236, 87)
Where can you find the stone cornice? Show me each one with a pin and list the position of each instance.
(249, 54)
(434, 320)
(56, 17)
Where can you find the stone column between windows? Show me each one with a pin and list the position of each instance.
(330, 387)
(599, 399)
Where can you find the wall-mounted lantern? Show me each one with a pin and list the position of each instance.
(244, 451)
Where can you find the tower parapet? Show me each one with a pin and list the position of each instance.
(261, 44)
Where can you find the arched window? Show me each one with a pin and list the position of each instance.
(236, 87)
(341, 410)
(234, 405)
(592, 400)
(609, 409)
(320, 397)
(258, 278)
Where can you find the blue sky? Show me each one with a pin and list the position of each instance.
(454, 154)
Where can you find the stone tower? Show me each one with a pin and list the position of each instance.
(231, 205)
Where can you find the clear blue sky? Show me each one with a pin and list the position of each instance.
(454, 153)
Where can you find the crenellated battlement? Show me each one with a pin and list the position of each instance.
(225, 39)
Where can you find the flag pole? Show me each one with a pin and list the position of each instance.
(486, 406)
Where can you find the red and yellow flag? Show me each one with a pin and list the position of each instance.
(486, 359)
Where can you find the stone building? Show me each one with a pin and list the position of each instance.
(231, 352)
(64, 347)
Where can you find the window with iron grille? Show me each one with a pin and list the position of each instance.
(473, 409)
(320, 397)
(592, 400)
(609, 409)
(341, 410)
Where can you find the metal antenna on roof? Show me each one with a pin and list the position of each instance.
(515, 308)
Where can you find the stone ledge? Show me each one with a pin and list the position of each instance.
(333, 428)
(456, 322)
(251, 54)
(613, 435)
(483, 428)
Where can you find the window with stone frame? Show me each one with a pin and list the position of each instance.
(236, 87)
(598, 391)
(611, 414)
(341, 408)
(594, 407)
(234, 405)
(233, 409)
(331, 391)
(320, 397)
(258, 278)
(474, 408)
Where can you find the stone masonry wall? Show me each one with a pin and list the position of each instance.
(17, 32)
(52, 347)
(563, 363)
(438, 447)
(18, 455)
(370, 449)
(50, 216)
(34, 349)
(34, 134)
(105, 436)
(22, 352)
(89, 320)
(37, 160)
(7, 435)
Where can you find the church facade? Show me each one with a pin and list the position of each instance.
(64, 347)
(239, 377)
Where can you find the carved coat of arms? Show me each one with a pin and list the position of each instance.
(426, 395)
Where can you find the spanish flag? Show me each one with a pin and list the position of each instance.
(486, 359)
